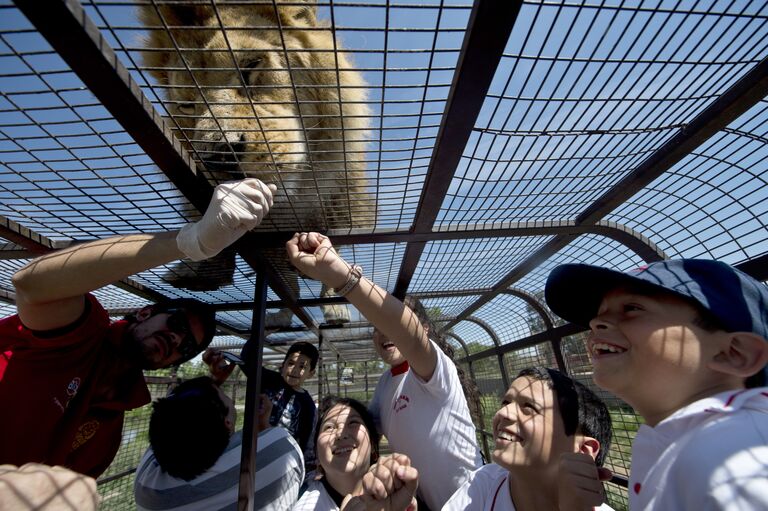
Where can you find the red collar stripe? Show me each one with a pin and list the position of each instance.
(400, 368)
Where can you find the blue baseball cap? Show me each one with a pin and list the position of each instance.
(738, 301)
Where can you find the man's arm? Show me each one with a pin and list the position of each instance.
(313, 254)
(50, 290)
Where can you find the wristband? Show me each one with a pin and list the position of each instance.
(355, 274)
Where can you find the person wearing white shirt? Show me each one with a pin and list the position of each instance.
(421, 404)
(551, 435)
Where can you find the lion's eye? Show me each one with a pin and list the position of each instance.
(186, 108)
(249, 67)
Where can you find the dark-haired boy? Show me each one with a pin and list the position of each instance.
(292, 406)
(194, 459)
(684, 343)
(550, 436)
(67, 375)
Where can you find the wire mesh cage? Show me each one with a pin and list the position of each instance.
(457, 150)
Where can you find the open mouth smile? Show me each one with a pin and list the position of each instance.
(340, 451)
(504, 437)
(601, 348)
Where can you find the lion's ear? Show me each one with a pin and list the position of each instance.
(296, 15)
(158, 39)
(306, 15)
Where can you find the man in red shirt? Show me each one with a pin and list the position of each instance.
(67, 375)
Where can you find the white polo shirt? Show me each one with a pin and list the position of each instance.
(430, 422)
(487, 489)
(711, 454)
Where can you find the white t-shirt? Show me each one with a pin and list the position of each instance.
(430, 422)
(279, 475)
(487, 489)
(711, 454)
(315, 498)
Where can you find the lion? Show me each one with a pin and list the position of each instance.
(273, 97)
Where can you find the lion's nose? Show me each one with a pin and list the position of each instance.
(223, 155)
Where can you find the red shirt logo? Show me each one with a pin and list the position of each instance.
(401, 403)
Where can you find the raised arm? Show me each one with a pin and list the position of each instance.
(313, 254)
(50, 289)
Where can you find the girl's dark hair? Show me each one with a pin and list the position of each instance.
(581, 409)
(329, 402)
(468, 385)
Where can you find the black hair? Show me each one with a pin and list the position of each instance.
(329, 402)
(187, 429)
(304, 348)
(581, 409)
(468, 385)
(204, 312)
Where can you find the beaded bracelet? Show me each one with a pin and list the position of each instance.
(355, 274)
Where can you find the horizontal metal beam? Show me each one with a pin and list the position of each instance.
(526, 342)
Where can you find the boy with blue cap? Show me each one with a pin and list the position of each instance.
(684, 343)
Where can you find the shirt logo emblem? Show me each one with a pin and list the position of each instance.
(84, 433)
(401, 403)
(73, 386)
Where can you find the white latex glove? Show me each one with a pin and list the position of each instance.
(235, 209)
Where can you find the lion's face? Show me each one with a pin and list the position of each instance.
(281, 105)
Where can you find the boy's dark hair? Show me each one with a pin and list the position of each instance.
(202, 311)
(329, 402)
(304, 348)
(187, 429)
(468, 385)
(581, 409)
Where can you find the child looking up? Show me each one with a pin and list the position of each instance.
(684, 343)
(550, 436)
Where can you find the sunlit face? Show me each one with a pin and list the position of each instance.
(528, 429)
(343, 444)
(156, 343)
(647, 349)
(387, 349)
(297, 367)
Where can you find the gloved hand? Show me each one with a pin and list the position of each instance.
(235, 209)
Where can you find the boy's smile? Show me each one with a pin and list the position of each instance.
(297, 367)
(528, 428)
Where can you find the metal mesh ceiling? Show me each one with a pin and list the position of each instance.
(461, 151)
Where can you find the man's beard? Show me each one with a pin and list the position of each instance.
(134, 351)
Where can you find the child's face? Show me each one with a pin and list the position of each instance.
(343, 444)
(296, 369)
(648, 351)
(387, 349)
(528, 430)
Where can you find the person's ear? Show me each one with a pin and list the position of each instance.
(311, 373)
(743, 354)
(144, 313)
(588, 445)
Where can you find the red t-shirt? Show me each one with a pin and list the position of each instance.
(51, 412)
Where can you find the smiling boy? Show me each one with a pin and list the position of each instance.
(550, 434)
(684, 343)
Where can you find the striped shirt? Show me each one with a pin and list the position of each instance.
(279, 474)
